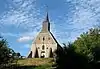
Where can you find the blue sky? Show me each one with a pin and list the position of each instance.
(21, 20)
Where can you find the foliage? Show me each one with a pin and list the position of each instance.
(87, 42)
(5, 52)
(7, 55)
(83, 53)
(68, 58)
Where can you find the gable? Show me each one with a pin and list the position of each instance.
(47, 38)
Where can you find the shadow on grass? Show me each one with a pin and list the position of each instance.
(18, 67)
(45, 66)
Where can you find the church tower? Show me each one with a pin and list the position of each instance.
(46, 24)
(44, 44)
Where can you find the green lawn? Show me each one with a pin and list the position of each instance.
(36, 63)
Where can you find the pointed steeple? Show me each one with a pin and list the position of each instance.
(47, 17)
(46, 24)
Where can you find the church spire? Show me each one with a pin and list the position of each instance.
(46, 24)
(47, 17)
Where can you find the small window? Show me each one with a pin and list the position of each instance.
(43, 47)
(43, 38)
(47, 47)
(48, 38)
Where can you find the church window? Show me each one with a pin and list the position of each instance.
(43, 47)
(48, 38)
(43, 38)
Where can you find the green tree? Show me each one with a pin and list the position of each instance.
(83, 53)
(87, 42)
(67, 58)
(6, 56)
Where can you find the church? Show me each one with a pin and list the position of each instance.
(44, 45)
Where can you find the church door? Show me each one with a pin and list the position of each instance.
(42, 54)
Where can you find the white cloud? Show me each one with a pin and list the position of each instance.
(25, 38)
(24, 15)
(85, 15)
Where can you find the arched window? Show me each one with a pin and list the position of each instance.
(49, 38)
(43, 38)
(43, 47)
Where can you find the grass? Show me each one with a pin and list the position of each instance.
(45, 66)
(36, 63)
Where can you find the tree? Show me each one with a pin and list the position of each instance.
(87, 42)
(67, 58)
(5, 53)
(83, 53)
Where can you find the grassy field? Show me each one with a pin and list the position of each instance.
(36, 63)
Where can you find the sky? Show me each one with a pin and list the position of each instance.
(21, 20)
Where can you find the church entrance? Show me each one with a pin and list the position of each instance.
(42, 54)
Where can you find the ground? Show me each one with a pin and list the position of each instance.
(36, 63)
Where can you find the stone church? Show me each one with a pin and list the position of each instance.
(44, 44)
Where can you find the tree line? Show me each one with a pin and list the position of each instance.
(83, 53)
